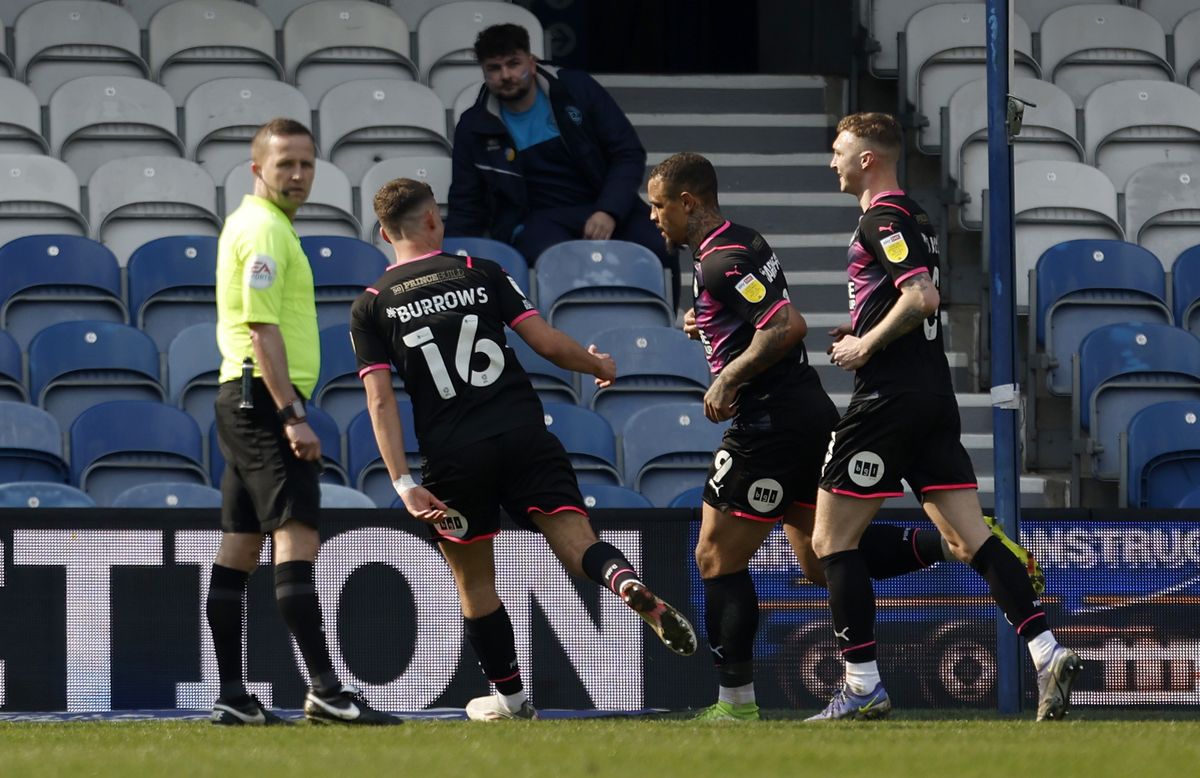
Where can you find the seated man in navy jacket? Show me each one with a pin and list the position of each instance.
(545, 155)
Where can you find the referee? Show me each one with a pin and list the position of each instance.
(270, 357)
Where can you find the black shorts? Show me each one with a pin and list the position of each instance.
(525, 470)
(264, 483)
(769, 462)
(911, 436)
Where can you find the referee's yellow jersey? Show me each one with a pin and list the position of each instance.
(263, 277)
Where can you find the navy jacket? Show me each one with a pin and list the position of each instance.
(487, 192)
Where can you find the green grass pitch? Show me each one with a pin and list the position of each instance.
(949, 745)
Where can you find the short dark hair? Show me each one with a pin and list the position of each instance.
(500, 40)
(278, 126)
(878, 129)
(399, 200)
(688, 172)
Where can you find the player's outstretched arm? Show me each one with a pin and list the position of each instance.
(564, 351)
(774, 339)
(389, 435)
(919, 299)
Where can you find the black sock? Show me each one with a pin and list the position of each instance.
(495, 646)
(226, 610)
(296, 595)
(731, 619)
(1010, 586)
(852, 603)
(890, 551)
(607, 566)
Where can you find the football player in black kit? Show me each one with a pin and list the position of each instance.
(439, 319)
(903, 423)
(767, 468)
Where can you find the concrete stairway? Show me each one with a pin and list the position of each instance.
(769, 138)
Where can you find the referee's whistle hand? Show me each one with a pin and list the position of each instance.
(304, 442)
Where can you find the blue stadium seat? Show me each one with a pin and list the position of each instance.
(587, 286)
(342, 268)
(172, 285)
(1080, 285)
(124, 443)
(334, 496)
(339, 390)
(668, 448)
(1161, 455)
(12, 375)
(367, 471)
(589, 441)
(31, 445)
(1185, 283)
(193, 365)
(46, 279)
(43, 494)
(551, 382)
(168, 494)
(1190, 500)
(501, 253)
(76, 364)
(654, 365)
(692, 497)
(608, 496)
(1120, 369)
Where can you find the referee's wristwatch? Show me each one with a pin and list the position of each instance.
(293, 413)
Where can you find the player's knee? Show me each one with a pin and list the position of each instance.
(708, 561)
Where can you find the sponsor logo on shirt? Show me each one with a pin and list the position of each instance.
(751, 288)
(575, 115)
(261, 272)
(895, 248)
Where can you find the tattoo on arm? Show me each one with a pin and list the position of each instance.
(768, 346)
(907, 313)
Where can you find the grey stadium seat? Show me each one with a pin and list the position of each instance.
(97, 118)
(466, 98)
(1162, 208)
(944, 49)
(1167, 12)
(193, 41)
(1056, 201)
(434, 171)
(333, 41)
(446, 35)
(1084, 46)
(1131, 124)
(6, 65)
(143, 10)
(220, 117)
(21, 120)
(38, 195)
(1048, 132)
(885, 19)
(1187, 50)
(58, 40)
(328, 211)
(137, 199)
(1035, 11)
(411, 11)
(363, 122)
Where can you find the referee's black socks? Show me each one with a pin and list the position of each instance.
(296, 595)
(226, 611)
(890, 551)
(607, 566)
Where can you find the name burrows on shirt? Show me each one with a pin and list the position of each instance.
(439, 303)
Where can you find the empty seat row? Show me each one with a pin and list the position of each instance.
(189, 42)
(94, 119)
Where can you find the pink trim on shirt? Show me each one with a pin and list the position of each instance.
(469, 541)
(414, 259)
(948, 487)
(909, 275)
(774, 309)
(373, 368)
(470, 262)
(523, 317)
(718, 248)
(372, 290)
(559, 509)
(892, 193)
(898, 208)
(866, 496)
(716, 232)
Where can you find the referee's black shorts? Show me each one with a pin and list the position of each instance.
(264, 484)
(911, 436)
